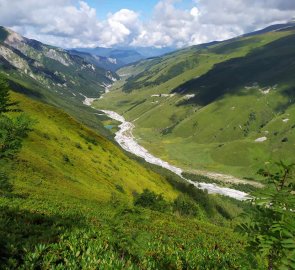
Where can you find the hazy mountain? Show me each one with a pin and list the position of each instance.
(117, 57)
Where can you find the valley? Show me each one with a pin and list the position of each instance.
(126, 140)
(189, 110)
(129, 160)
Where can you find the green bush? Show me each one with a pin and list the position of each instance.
(270, 223)
(5, 185)
(151, 200)
(12, 133)
(185, 206)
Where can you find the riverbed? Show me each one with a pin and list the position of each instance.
(127, 141)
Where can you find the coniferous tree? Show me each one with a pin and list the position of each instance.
(12, 129)
(5, 103)
(12, 132)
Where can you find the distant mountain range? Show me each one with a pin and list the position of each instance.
(117, 57)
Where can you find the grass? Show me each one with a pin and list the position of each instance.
(51, 152)
(68, 197)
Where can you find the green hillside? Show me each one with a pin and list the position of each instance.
(204, 107)
(53, 75)
(70, 205)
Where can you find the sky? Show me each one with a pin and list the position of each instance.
(140, 23)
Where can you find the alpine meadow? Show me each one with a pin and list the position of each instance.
(150, 135)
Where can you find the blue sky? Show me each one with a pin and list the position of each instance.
(103, 7)
(143, 23)
(144, 7)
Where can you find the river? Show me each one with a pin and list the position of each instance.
(127, 141)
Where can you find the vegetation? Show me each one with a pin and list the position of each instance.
(151, 200)
(64, 207)
(270, 225)
(12, 133)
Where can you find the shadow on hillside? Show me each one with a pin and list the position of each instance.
(22, 230)
(267, 66)
(24, 90)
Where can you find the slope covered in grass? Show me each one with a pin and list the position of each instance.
(83, 164)
(71, 207)
(224, 107)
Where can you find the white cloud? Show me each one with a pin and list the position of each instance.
(72, 23)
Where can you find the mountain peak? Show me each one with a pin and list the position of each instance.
(13, 37)
(9, 36)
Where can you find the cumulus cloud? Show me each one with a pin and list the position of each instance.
(72, 23)
(62, 23)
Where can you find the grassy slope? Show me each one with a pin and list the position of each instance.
(93, 171)
(66, 211)
(86, 115)
(218, 136)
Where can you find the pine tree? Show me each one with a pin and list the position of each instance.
(12, 129)
(5, 104)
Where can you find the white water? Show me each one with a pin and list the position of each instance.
(127, 141)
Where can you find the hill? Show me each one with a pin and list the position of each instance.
(70, 205)
(225, 107)
(55, 69)
(53, 75)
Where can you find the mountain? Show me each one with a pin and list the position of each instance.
(54, 68)
(117, 57)
(98, 61)
(149, 52)
(223, 107)
(53, 75)
(273, 28)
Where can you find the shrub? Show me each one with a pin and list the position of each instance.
(5, 186)
(150, 199)
(12, 133)
(78, 145)
(88, 139)
(185, 206)
(120, 188)
(270, 223)
(66, 158)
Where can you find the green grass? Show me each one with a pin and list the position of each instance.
(82, 162)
